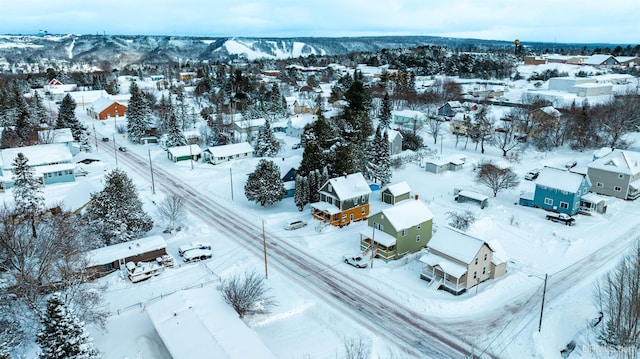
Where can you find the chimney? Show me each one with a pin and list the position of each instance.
(344, 174)
(416, 196)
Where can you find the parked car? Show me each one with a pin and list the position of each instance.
(80, 172)
(531, 175)
(122, 149)
(561, 217)
(355, 260)
(191, 246)
(296, 146)
(197, 254)
(297, 224)
(105, 139)
(571, 164)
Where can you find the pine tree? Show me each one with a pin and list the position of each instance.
(267, 144)
(29, 202)
(40, 113)
(312, 159)
(345, 162)
(67, 118)
(385, 113)
(265, 185)
(371, 156)
(174, 135)
(383, 170)
(138, 114)
(300, 198)
(63, 336)
(116, 213)
(25, 124)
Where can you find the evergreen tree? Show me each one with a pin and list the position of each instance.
(373, 150)
(345, 163)
(267, 144)
(9, 138)
(312, 159)
(25, 124)
(63, 335)
(40, 113)
(312, 181)
(29, 202)
(138, 114)
(385, 113)
(174, 135)
(383, 170)
(301, 197)
(67, 118)
(265, 185)
(116, 213)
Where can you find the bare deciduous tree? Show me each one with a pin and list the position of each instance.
(171, 211)
(356, 348)
(461, 221)
(247, 295)
(496, 178)
(618, 295)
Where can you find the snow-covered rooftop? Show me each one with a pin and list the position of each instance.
(455, 244)
(123, 250)
(398, 188)
(618, 161)
(196, 323)
(187, 150)
(560, 179)
(37, 155)
(350, 186)
(230, 150)
(407, 213)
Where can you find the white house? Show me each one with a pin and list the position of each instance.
(296, 124)
(225, 153)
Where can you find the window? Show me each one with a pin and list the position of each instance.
(585, 190)
(363, 210)
(378, 226)
(475, 275)
(419, 225)
(418, 238)
(485, 256)
(476, 260)
(329, 187)
(621, 176)
(617, 188)
(484, 270)
(548, 201)
(329, 200)
(404, 232)
(564, 205)
(344, 217)
(599, 184)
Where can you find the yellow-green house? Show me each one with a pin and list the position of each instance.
(398, 230)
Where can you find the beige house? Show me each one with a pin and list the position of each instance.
(456, 261)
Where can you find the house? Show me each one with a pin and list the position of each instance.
(601, 61)
(105, 260)
(560, 190)
(105, 108)
(197, 323)
(60, 135)
(246, 129)
(543, 117)
(296, 124)
(288, 174)
(343, 200)
(218, 154)
(456, 261)
(616, 174)
(396, 192)
(52, 163)
(396, 231)
(395, 142)
(408, 118)
(184, 153)
(449, 109)
(451, 163)
(534, 60)
(629, 61)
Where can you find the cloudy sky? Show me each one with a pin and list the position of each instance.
(577, 21)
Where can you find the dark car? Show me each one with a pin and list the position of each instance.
(105, 139)
(122, 149)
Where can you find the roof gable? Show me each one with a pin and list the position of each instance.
(407, 214)
(456, 244)
(560, 179)
(618, 161)
(350, 186)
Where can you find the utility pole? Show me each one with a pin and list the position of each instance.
(95, 135)
(544, 292)
(115, 150)
(153, 186)
(231, 180)
(191, 156)
(264, 243)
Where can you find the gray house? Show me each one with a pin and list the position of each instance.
(616, 174)
(395, 142)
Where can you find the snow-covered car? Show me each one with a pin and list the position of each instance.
(531, 175)
(191, 246)
(80, 172)
(291, 225)
(122, 149)
(197, 254)
(355, 260)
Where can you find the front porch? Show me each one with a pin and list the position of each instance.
(382, 251)
(451, 276)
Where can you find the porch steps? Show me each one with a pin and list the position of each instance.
(435, 284)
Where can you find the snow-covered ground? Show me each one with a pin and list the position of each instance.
(303, 325)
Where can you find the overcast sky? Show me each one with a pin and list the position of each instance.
(577, 21)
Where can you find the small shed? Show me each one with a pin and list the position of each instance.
(451, 163)
(526, 199)
(184, 153)
(395, 193)
(463, 196)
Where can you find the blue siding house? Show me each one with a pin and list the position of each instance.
(560, 190)
(51, 163)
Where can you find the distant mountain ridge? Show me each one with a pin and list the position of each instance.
(121, 50)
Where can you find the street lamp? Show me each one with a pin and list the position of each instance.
(544, 293)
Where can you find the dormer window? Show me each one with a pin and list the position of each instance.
(330, 187)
